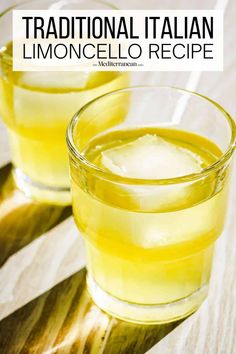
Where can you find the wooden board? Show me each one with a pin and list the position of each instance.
(44, 305)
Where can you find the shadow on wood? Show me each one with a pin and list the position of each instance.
(65, 320)
(21, 219)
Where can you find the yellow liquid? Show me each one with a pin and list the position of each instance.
(150, 244)
(37, 113)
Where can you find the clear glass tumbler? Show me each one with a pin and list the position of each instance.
(37, 107)
(150, 172)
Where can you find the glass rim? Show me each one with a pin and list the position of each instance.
(165, 181)
(8, 57)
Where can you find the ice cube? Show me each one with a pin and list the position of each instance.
(151, 157)
(52, 79)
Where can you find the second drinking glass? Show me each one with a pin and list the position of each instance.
(37, 106)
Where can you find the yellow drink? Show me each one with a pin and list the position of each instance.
(149, 245)
(37, 107)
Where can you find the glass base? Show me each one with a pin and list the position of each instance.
(41, 192)
(146, 314)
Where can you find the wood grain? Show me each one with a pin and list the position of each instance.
(43, 311)
(16, 207)
(212, 329)
(32, 247)
(65, 320)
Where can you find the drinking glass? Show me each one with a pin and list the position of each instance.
(37, 107)
(149, 242)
